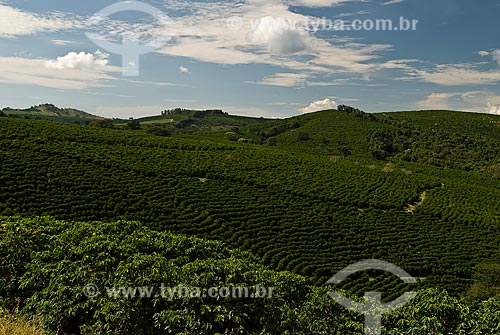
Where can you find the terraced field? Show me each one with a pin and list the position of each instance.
(296, 209)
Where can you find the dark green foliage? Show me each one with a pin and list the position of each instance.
(104, 123)
(159, 131)
(466, 141)
(303, 136)
(134, 125)
(486, 282)
(299, 211)
(46, 264)
(184, 123)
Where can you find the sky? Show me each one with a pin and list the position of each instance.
(269, 58)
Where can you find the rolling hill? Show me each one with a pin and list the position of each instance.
(51, 112)
(308, 195)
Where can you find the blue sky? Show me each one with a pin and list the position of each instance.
(272, 58)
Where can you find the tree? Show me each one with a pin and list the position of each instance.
(159, 131)
(344, 151)
(303, 136)
(486, 282)
(104, 123)
(134, 125)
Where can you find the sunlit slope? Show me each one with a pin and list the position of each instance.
(473, 124)
(298, 211)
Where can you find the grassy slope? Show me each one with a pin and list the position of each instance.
(18, 325)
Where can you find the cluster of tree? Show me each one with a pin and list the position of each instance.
(438, 147)
(159, 130)
(265, 133)
(357, 113)
(194, 113)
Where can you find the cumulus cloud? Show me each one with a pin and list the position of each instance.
(183, 69)
(80, 60)
(203, 35)
(280, 36)
(29, 71)
(319, 106)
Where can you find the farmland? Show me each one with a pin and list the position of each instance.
(307, 206)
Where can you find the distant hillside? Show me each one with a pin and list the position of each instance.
(465, 141)
(51, 112)
(448, 139)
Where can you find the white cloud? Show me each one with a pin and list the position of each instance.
(284, 80)
(16, 22)
(458, 75)
(62, 42)
(279, 36)
(252, 111)
(183, 69)
(317, 3)
(392, 2)
(124, 112)
(495, 54)
(437, 101)
(28, 71)
(493, 109)
(204, 34)
(319, 106)
(471, 101)
(80, 60)
(151, 83)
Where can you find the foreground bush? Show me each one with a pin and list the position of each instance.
(46, 264)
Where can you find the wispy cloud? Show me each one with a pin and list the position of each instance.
(495, 54)
(151, 83)
(16, 22)
(392, 2)
(28, 71)
(264, 35)
(458, 75)
(318, 3)
(62, 42)
(284, 80)
(471, 101)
